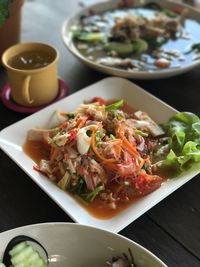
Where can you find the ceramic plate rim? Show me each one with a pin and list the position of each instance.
(12, 146)
(119, 72)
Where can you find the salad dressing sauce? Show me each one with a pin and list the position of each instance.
(36, 150)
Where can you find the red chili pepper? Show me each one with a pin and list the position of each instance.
(36, 168)
(100, 100)
(73, 135)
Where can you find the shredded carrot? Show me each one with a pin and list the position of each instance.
(130, 147)
(64, 125)
(63, 113)
(142, 161)
(105, 160)
(117, 145)
(54, 153)
(81, 121)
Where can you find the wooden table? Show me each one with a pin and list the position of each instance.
(171, 229)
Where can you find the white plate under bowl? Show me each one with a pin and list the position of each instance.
(112, 5)
(77, 245)
(13, 138)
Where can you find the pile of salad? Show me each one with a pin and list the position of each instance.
(99, 151)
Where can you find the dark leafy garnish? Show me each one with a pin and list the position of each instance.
(170, 13)
(155, 43)
(78, 188)
(194, 47)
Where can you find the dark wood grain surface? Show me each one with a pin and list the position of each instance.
(171, 229)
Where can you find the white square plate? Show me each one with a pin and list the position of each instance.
(13, 138)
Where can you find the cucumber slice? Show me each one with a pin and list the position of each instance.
(23, 255)
(92, 37)
(121, 48)
(17, 248)
(140, 46)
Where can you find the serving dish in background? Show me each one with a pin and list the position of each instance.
(191, 23)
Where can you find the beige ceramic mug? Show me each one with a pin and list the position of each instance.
(32, 73)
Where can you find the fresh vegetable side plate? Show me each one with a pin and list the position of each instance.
(142, 39)
(109, 88)
(64, 241)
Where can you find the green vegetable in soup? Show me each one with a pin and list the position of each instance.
(92, 37)
(139, 46)
(123, 49)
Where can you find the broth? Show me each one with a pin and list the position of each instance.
(31, 60)
(173, 49)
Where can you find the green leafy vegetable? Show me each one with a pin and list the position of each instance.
(155, 43)
(79, 186)
(142, 133)
(183, 130)
(4, 11)
(170, 13)
(70, 115)
(121, 48)
(91, 196)
(115, 105)
(193, 47)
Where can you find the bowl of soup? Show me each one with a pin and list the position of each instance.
(136, 40)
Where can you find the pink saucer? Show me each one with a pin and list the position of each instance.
(9, 103)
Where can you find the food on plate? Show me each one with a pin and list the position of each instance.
(108, 155)
(24, 251)
(144, 38)
(21, 252)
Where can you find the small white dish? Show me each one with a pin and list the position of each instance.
(112, 5)
(13, 138)
(80, 246)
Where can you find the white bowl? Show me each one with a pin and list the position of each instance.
(75, 245)
(112, 5)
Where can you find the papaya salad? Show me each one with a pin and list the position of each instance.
(107, 156)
